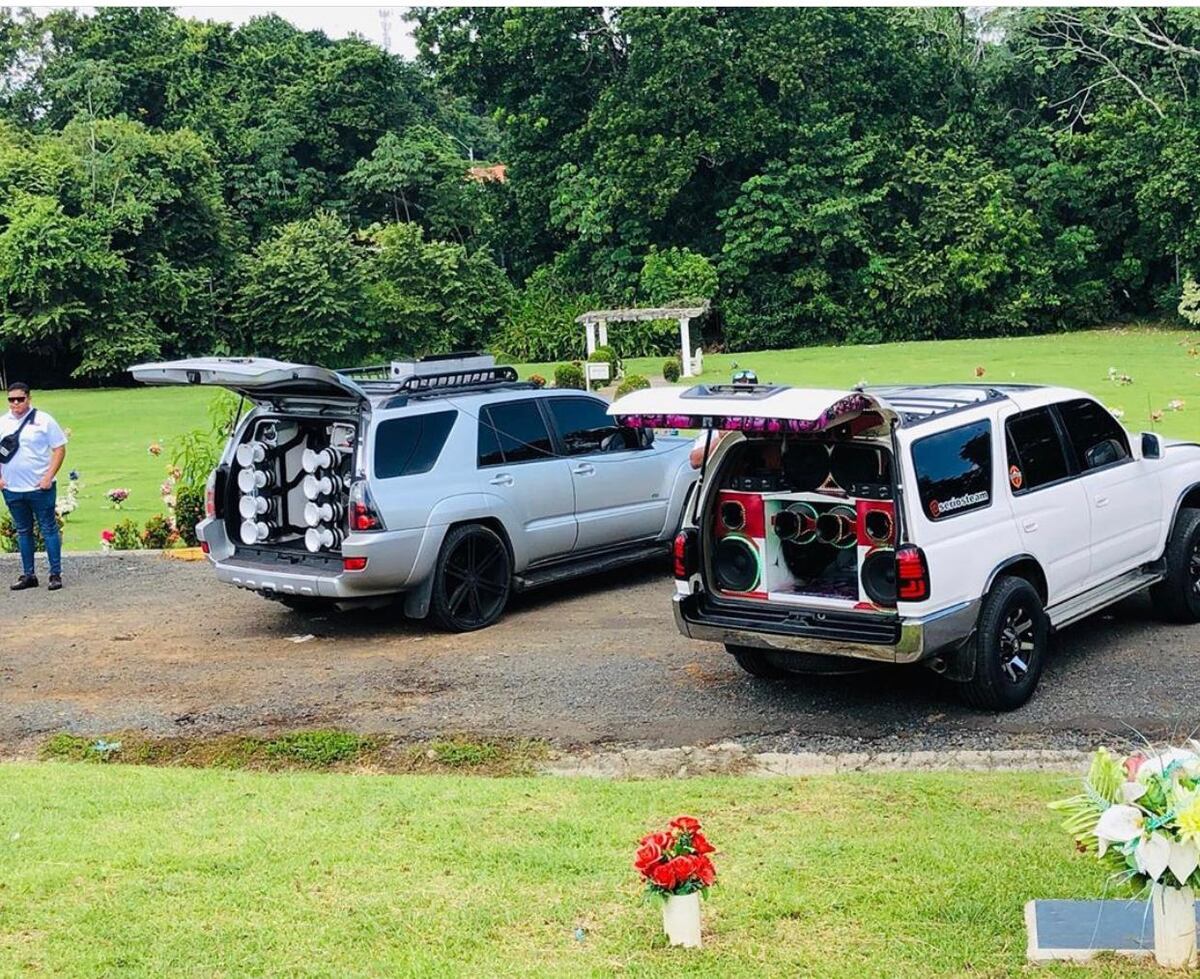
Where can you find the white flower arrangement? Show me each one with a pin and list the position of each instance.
(1140, 815)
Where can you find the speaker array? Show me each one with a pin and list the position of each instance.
(738, 558)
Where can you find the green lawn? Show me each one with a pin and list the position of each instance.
(108, 870)
(111, 429)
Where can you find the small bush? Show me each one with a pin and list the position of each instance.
(158, 533)
(569, 376)
(671, 370)
(537, 380)
(319, 748)
(126, 536)
(189, 511)
(634, 382)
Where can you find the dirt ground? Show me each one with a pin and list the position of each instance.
(159, 646)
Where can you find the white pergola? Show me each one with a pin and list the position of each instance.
(596, 322)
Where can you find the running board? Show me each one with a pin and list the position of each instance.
(1101, 596)
(595, 564)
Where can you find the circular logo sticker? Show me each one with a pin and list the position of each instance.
(1015, 477)
(934, 508)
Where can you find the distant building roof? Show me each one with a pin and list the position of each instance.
(497, 173)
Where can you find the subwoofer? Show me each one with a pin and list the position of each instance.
(739, 554)
(877, 576)
(737, 564)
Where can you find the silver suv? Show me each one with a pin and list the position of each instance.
(445, 479)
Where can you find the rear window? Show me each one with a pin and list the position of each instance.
(512, 431)
(1035, 453)
(411, 445)
(954, 470)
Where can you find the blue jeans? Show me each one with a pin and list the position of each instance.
(27, 507)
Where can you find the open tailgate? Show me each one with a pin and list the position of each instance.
(752, 408)
(259, 379)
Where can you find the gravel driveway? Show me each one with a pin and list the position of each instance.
(142, 642)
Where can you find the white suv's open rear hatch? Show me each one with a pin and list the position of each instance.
(757, 408)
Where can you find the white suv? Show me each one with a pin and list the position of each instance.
(951, 525)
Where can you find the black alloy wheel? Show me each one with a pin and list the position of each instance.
(1177, 597)
(472, 580)
(1010, 645)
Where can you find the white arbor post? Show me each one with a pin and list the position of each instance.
(685, 341)
(603, 333)
(591, 337)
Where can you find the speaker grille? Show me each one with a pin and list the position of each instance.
(879, 576)
(733, 515)
(736, 563)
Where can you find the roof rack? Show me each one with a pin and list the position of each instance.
(924, 402)
(434, 376)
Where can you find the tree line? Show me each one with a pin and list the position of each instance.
(170, 187)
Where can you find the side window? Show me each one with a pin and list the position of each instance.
(512, 431)
(954, 470)
(1035, 452)
(1097, 440)
(408, 446)
(584, 425)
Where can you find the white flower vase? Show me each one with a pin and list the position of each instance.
(681, 919)
(1174, 926)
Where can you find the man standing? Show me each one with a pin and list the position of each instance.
(27, 481)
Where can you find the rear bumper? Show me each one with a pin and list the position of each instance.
(880, 638)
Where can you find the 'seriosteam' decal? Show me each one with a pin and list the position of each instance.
(939, 508)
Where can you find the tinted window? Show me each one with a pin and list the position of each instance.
(1035, 452)
(954, 470)
(584, 424)
(512, 432)
(407, 446)
(1096, 438)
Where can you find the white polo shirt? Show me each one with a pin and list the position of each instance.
(39, 439)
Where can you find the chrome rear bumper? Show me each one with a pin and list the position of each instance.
(909, 640)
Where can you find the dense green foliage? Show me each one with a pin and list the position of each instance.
(172, 187)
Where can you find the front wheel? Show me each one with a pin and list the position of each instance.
(1177, 597)
(472, 579)
(1010, 647)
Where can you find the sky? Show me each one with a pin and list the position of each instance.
(336, 21)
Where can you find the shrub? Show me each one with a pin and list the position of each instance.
(671, 370)
(677, 276)
(569, 376)
(8, 533)
(189, 511)
(606, 355)
(158, 533)
(537, 380)
(126, 536)
(634, 382)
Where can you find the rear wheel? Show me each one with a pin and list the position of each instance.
(472, 579)
(1010, 647)
(1177, 597)
(756, 662)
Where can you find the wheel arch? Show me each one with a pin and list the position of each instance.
(492, 523)
(1189, 499)
(1021, 566)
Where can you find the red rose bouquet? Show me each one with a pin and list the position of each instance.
(676, 860)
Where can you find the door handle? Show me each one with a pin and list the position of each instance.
(1101, 501)
(504, 479)
(584, 469)
(1029, 525)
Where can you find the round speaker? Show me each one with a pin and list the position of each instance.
(735, 561)
(879, 576)
(252, 480)
(806, 465)
(248, 453)
(851, 463)
(255, 531)
(797, 523)
(253, 506)
(836, 526)
(878, 525)
(313, 460)
(733, 515)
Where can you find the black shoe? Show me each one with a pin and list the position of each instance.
(55, 582)
(25, 581)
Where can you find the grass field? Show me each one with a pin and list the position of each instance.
(111, 429)
(108, 870)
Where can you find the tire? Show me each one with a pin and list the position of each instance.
(1013, 632)
(756, 662)
(302, 603)
(1177, 597)
(472, 579)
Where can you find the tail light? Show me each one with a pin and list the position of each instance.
(210, 495)
(912, 574)
(686, 564)
(364, 514)
(354, 564)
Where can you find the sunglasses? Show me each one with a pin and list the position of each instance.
(17, 401)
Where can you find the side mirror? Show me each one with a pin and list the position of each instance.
(1152, 446)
